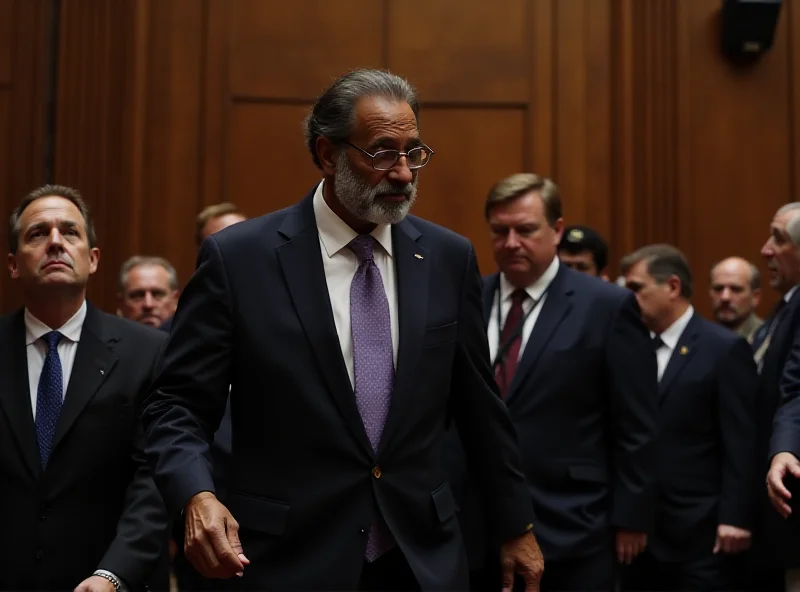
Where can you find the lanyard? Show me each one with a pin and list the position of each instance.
(502, 348)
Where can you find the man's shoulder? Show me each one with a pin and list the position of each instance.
(438, 233)
(716, 335)
(115, 326)
(594, 290)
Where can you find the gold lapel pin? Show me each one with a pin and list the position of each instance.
(418, 256)
(684, 350)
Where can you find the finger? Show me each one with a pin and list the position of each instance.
(776, 486)
(794, 469)
(781, 506)
(507, 567)
(531, 581)
(236, 545)
(227, 559)
(198, 557)
(717, 546)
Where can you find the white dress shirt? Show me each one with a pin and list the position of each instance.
(670, 338)
(535, 291)
(36, 349)
(340, 264)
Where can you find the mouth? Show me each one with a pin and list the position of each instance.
(56, 264)
(393, 197)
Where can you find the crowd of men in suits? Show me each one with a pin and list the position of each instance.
(337, 400)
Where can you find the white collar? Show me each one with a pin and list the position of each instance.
(335, 234)
(537, 288)
(673, 333)
(788, 296)
(36, 329)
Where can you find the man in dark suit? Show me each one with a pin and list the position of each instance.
(336, 479)
(77, 501)
(573, 363)
(776, 544)
(707, 386)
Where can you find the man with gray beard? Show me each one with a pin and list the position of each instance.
(352, 335)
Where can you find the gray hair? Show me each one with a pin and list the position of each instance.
(138, 260)
(63, 191)
(333, 114)
(663, 261)
(793, 227)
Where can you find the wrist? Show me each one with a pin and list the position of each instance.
(119, 586)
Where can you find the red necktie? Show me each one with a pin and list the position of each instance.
(507, 365)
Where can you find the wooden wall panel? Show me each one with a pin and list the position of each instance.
(26, 46)
(270, 167)
(295, 49)
(734, 125)
(473, 149)
(165, 106)
(582, 108)
(461, 52)
(6, 39)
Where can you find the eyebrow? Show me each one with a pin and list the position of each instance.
(383, 140)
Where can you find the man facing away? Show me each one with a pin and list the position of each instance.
(735, 293)
(707, 433)
(351, 335)
(77, 501)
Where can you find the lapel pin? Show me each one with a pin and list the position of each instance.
(102, 371)
(684, 350)
(418, 256)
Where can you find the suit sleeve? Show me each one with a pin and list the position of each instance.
(484, 426)
(786, 423)
(633, 389)
(737, 408)
(188, 398)
(142, 530)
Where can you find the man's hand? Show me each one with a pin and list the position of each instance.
(731, 539)
(523, 556)
(783, 464)
(95, 584)
(629, 545)
(212, 538)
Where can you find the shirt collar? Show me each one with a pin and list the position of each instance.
(335, 234)
(673, 333)
(788, 296)
(537, 288)
(36, 329)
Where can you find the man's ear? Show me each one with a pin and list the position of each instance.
(326, 153)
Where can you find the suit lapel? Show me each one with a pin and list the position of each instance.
(15, 397)
(552, 311)
(300, 259)
(489, 291)
(683, 352)
(412, 266)
(94, 362)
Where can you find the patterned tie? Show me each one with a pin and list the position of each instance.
(509, 354)
(49, 397)
(373, 363)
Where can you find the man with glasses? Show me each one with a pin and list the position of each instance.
(351, 334)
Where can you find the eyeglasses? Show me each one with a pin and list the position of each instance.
(383, 160)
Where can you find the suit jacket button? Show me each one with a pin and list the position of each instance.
(376, 472)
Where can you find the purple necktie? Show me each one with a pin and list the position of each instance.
(373, 363)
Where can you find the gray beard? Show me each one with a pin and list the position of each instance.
(361, 200)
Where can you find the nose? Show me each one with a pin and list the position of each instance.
(400, 173)
(725, 295)
(56, 240)
(766, 250)
(512, 240)
(149, 302)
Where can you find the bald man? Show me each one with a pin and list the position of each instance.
(735, 293)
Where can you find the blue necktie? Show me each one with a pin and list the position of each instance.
(373, 363)
(49, 397)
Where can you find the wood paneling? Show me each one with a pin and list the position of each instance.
(734, 126)
(25, 96)
(6, 39)
(265, 140)
(461, 52)
(295, 49)
(165, 106)
(473, 149)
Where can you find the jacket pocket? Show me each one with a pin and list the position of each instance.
(258, 513)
